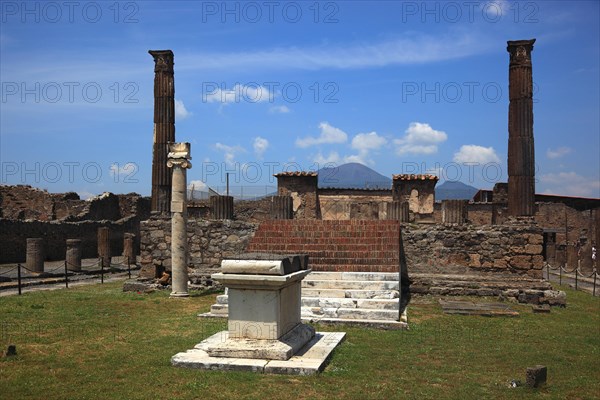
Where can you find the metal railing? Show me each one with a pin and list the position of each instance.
(66, 270)
(577, 274)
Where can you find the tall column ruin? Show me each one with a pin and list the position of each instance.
(178, 160)
(164, 128)
(521, 161)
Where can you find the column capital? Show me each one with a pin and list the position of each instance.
(179, 155)
(520, 51)
(163, 60)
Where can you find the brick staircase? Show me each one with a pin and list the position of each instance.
(355, 278)
(349, 245)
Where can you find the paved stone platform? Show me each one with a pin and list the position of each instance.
(310, 359)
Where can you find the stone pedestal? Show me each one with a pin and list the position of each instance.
(36, 255)
(179, 157)
(104, 246)
(264, 316)
(265, 330)
(73, 255)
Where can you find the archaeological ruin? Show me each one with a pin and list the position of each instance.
(370, 250)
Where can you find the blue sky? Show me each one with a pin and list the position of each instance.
(261, 87)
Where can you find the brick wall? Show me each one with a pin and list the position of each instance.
(347, 245)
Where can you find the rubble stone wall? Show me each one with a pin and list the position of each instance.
(209, 241)
(472, 249)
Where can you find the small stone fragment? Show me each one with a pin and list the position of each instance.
(11, 350)
(536, 376)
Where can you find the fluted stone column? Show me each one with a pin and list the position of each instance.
(282, 207)
(521, 161)
(221, 207)
(178, 160)
(35, 255)
(129, 247)
(164, 128)
(453, 211)
(73, 255)
(398, 210)
(104, 246)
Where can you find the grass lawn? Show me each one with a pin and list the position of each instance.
(98, 342)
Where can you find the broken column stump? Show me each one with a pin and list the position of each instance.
(104, 246)
(129, 248)
(536, 376)
(398, 210)
(454, 212)
(282, 207)
(36, 255)
(221, 207)
(73, 255)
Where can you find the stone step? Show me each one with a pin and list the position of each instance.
(222, 299)
(349, 285)
(375, 304)
(351, 294)
(219, 309)
(314, 313)
(353, 276)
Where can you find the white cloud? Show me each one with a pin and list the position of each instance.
(238, 94)
(279, 110)
(471, 153)
(127, 170)
(403, 50)
(260, 146)
(84, 195)
(496, 9)
(180, 110)
(570, 184)
(365, 143)
(329, 135)
(420, 138)
(229, 152)
(332, 158)
(197, 185)
(558, 153)
(368, 141)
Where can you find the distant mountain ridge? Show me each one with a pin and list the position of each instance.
(455, 190)
(353, 175)
(359, 176)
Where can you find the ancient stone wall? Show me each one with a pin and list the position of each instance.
(209, 241)
(23, 202)
(336, 204)
(14, 233)
(468, 249)
(302, 186)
